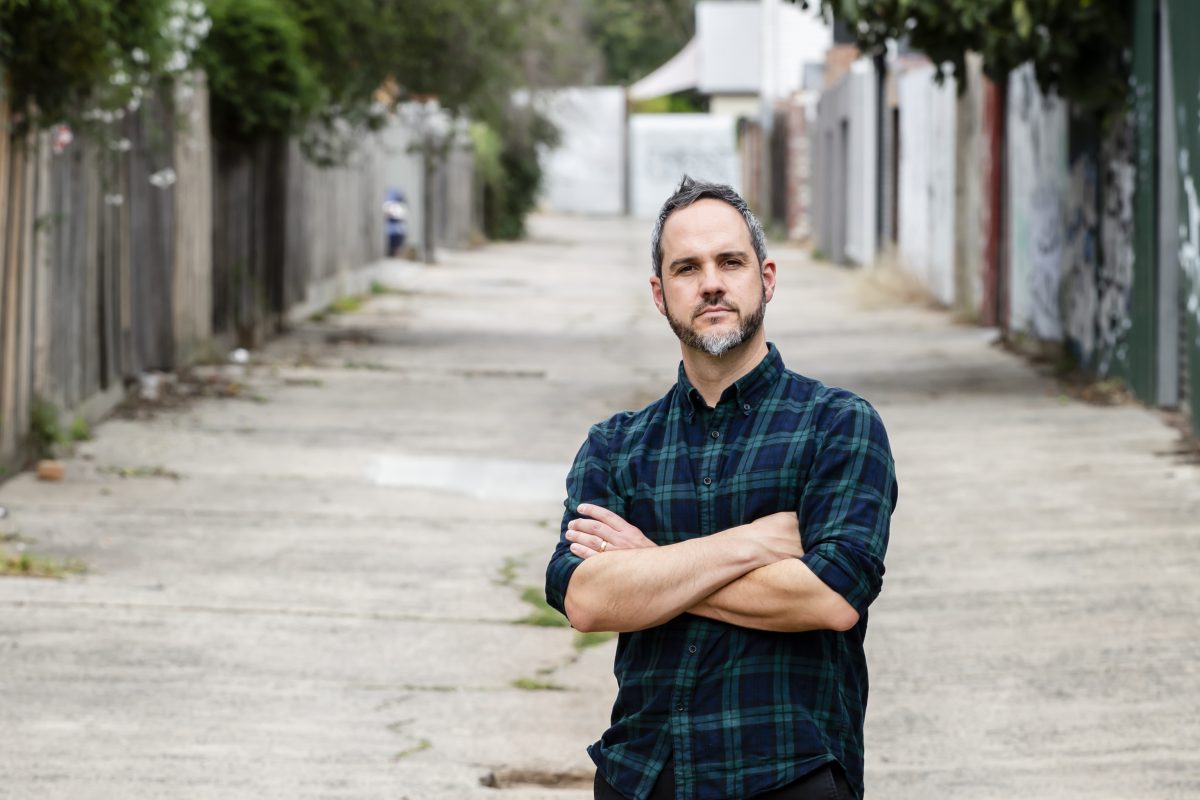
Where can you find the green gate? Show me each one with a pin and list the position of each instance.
(1184, 22)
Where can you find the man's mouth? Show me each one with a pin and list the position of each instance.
(713, 310)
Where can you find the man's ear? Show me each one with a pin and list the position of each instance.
(656, 290)
(768, 279)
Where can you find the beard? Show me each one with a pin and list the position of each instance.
(718, 343)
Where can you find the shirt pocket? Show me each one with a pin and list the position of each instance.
(761, 492)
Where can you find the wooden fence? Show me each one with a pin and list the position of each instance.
(148, 246)
(287, 231)
(103, 277)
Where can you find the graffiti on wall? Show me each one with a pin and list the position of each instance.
(1037, 146)
(1189, 237)
(1100, 255)
(1046, 258)
(1115, 285)
(1082, 229)
(665, 147)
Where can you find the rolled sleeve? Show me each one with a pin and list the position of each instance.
(587, 482)
(847, 503)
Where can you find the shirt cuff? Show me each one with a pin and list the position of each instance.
(558, 576)
(838, 578)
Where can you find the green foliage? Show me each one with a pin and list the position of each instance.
(678, 103)
(80, 430)
(463, 52)
(92, 60)
(636, 37)
(1079, 48)
(509, 168)
(349, 47)
(259, 78)
(45, 429)
(346, 304)
(55, 51)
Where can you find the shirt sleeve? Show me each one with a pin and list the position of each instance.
(847, 503)
(587, 482)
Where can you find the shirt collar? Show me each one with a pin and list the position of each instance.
(747, 391)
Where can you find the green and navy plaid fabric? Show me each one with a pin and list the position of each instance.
(742, 711)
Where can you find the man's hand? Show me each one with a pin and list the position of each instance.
(605, 531)
(778, 534)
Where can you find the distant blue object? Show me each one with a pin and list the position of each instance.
(395, 215)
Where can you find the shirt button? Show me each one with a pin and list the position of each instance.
(679, 707)
(691, 648)
(715, 434)
(746, 407)
(708, 481)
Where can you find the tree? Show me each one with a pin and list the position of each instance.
(87, 61)
(1079, 48)
(638, 36)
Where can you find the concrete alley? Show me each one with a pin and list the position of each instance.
(316, 584)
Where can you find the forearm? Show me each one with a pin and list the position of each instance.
(783, 596)
(628, 590)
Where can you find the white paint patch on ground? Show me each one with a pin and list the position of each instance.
(481, 478)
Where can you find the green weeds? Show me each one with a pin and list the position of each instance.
(591, 639)
(31, 565)
(534, 685)
(542, 614)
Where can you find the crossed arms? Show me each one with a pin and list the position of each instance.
(749, 575)
(606, 575)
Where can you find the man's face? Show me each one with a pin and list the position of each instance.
(712, 291)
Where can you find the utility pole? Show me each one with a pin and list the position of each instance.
(432, 142)
(769, 65)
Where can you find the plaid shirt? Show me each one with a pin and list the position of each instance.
(743, 711)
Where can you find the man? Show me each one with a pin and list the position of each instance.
(733, 532)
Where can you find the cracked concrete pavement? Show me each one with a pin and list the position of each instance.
(322, 604)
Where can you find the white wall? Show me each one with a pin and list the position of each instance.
(731, 39)
(1036, 206)
(845, 164)
(664, 147)
(585, 174)
(926, 186)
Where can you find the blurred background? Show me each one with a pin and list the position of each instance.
(306, 305)
(178, 178)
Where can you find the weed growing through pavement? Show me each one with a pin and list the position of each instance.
(534, 685)
(591, 639)
(508, 572)
(420, 746)
(303, 382)
(140, 472)
(542, 615)
(347, 304)
(80, 431)
(30, 565)
(369, 366)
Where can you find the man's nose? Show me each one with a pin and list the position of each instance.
(713, 281)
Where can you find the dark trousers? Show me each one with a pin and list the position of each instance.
(824, 783)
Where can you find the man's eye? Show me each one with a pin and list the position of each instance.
(733, 262)
(685, 268)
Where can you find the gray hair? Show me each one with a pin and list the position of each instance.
(691, 190)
